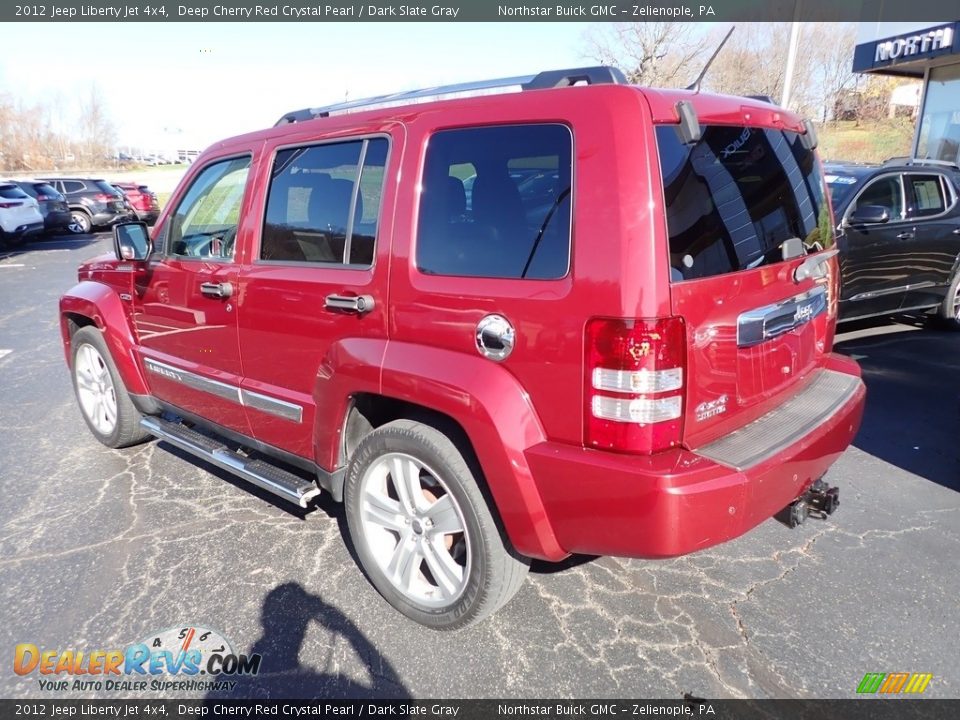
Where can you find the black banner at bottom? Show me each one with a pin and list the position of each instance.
(867, 709)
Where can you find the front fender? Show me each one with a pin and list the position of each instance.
(495, 411)
(101, 304)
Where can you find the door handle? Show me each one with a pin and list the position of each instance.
(905, 236)
(350, 303)
(216, 290)
(956, 231)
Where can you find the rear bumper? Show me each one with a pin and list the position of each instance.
(147, 216)
(677, 502)
(110, 217)
(21, 232)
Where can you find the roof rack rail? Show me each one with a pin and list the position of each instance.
(903, 160)
(547, 79)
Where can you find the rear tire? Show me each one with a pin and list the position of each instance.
(104, 402)
(80, 223)
(422, 530)
(948, 314)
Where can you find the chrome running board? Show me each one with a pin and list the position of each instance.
(261, 473)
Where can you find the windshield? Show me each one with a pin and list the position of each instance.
(736, 195)
(841, 187)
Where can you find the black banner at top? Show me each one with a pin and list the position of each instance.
(479, 10)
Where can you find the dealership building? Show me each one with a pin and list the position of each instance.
(931, 53)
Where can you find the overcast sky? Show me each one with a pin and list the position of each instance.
(212, 80)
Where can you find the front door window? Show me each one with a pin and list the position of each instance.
(204, 224)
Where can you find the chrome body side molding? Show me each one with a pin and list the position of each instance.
(240, 396)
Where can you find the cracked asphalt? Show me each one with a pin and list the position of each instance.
(102, 548)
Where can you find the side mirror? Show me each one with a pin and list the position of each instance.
(870, 215)
(131, 241)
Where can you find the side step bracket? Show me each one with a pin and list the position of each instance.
(261, 473)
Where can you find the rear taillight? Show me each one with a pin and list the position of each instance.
(105, 197)
(634, 383)
(42, 198)
(8, 205)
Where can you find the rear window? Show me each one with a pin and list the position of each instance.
(12, 192)
(48, 190)
(106, 187)
(495, 202)
(736, 195)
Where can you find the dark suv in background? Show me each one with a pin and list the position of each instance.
(899, 237)
(52, 204)
(93, 203)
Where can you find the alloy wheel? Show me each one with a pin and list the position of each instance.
(95, 390)
(414, 529)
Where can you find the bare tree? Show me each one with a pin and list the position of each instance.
(832, 62)
(655, 54)
(97, 133)
(754, 63)
(45, 133)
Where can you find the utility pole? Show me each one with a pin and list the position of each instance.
(791, 55)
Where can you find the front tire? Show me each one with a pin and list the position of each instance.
(104, 402)
(422, 529)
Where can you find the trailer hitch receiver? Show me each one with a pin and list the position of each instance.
(820, 500)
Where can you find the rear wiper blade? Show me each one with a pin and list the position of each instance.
(546, 221)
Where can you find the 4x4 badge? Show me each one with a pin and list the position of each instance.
(711, 408)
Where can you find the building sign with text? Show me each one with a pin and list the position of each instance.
(908, 49)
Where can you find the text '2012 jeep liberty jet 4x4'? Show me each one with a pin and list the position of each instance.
(549, 315)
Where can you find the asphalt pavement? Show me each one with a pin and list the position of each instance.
(101, 548)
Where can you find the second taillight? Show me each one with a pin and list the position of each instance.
(634, 384)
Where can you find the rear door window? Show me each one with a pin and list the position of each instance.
(736, 195)
(925, 195)
(496, 202)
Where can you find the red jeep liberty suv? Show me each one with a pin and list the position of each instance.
(500, 321)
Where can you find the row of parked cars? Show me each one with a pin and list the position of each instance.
(52, 205)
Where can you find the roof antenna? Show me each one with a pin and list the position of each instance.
(696, 83)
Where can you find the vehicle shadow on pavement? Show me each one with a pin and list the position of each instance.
(912, 417)
(59, 242)
(288, 610)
